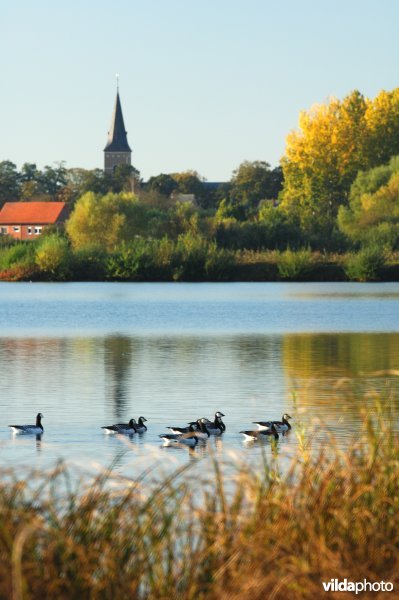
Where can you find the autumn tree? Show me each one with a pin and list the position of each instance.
(334, 142)
(103, 221)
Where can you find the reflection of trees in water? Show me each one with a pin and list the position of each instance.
(117, 356)
(341, 354)
(252, 352)
(341, 369)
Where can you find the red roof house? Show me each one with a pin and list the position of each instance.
(26, 220)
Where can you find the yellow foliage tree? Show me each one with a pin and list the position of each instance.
(101, 220)
(334, 142)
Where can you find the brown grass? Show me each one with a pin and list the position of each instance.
(262, 535)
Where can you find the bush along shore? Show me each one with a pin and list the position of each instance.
(188, 258)
(258, 533)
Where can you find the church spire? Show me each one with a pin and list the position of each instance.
(117, 151)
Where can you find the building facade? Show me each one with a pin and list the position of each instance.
(27, 220)
(117, 151)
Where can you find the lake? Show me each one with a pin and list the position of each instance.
(91, 354)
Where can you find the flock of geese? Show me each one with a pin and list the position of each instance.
(196, 431)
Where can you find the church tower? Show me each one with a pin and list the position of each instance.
(117, 151)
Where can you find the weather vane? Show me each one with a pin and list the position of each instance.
(117, 81)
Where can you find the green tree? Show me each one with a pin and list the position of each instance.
(189, 182)
(30, 178)
(53, 179)
(163, 184)
(125, 178)
(9, 182)
(372, 217)
(255, 181)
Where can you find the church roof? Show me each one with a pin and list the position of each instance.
(117, 136)
(31, 213)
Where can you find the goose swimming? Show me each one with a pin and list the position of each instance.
(260, 434)
(180, 430)
(140, 427)
(215, 427)
(282, 425)
(35, 429)
(202, 432)
(124, 428)
(173, 439)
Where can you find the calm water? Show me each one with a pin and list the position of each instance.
(90, 354)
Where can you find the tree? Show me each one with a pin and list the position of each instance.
(125, 178)
(163, 184)
(52, 255)
(189, 182)
(53, 179)
(372, 217)
(255, 181)
(29, 172)
(9, 182)
(30, 178)
(103, 221)
(334, 142)
(324, 156)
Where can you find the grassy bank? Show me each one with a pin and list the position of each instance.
(189, 258)
(273, 535)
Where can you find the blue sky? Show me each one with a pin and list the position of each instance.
(204, 84)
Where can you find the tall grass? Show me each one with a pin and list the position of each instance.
(270, 535)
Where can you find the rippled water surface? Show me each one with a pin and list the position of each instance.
(90, 354)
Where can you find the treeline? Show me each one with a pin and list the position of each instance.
(249, 183)
(336, 193)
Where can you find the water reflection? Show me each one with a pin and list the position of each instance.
(81, 383)
(118, 352)
(337, 376)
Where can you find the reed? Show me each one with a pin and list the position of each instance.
(261, 534)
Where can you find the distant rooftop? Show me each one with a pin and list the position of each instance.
(31, 213)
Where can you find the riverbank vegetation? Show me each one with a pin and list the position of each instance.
(188, 258)
(259, 533)
(330, 211)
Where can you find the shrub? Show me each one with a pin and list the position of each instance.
(18, 254)
(88, 264)
(365, 265)
(294, 265)
(52, 256)
(190, 258)
(219, 264)
(130, 262)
